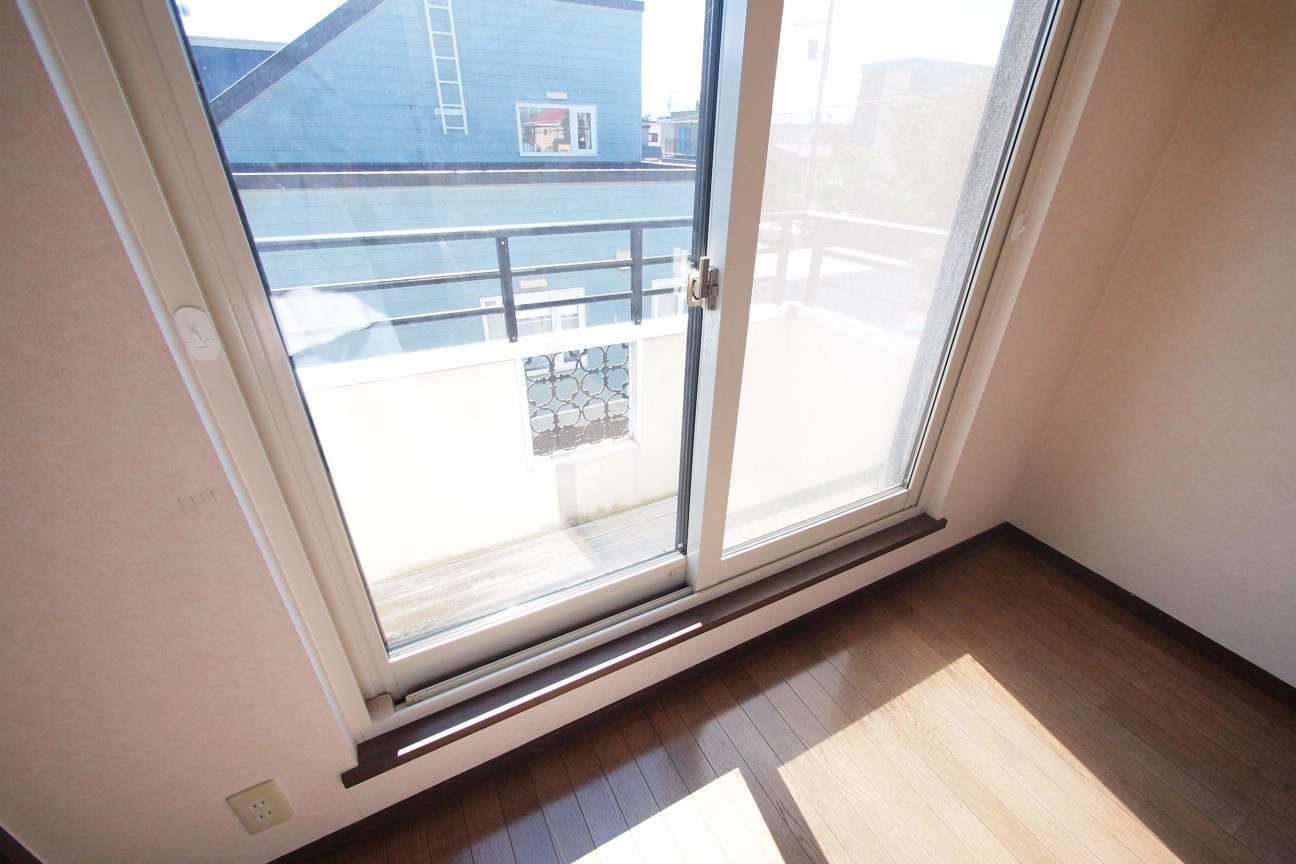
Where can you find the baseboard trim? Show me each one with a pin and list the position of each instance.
(1264, 681)
(13, 852)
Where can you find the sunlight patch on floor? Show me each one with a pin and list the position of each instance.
(724, 808)
(932, 765)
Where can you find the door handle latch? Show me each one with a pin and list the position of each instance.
(703, 284)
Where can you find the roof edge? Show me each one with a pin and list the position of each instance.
(301, 49)
(631, 5)
(292, 55)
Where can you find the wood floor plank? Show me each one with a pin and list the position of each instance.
(603, 816)
(1055, 774)
(826, 813)
(684, 815)
(650, 831)
(528, 833)
(1159, 725)
(487, 829)
(1267, 845)
(1133, 734)
(775, 808)
(905, 825)
(722, 815)
(1271, 827)
(446, 834)
(845, 791)
(1234, 758)
(981, 740)
(943, 820)
(936, 733)
(1261, 709)
(924, 730)
(368, 850)
(407, 843)
(1132, 639)
(562, 813)
(1194, 835)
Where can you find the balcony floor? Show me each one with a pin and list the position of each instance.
(471, 588)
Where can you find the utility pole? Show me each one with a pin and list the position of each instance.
(806, 199)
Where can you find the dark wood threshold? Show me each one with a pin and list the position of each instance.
(418, 738)
(1262, 680)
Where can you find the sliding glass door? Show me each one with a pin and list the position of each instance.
(476, 221)
(890, 128)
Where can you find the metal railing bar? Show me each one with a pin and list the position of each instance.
(425, 235)
(636, 275)
(470, 276)
(506, 287)
(452, 314)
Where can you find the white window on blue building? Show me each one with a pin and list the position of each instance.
(534, 315)
(557, 130)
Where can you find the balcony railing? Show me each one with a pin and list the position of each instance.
(905, 252)
(505, 272)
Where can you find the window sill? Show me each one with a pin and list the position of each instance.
(391, 749)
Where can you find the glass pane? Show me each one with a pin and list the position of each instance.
(890, 121)
(462, 231)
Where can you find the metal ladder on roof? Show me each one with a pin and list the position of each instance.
(445, 65)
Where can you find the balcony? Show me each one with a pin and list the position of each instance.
(559, 412)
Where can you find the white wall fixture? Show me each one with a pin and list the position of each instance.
(261, 806)
(197, 333)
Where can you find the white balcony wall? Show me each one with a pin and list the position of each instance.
(453, 474)
(434, 466)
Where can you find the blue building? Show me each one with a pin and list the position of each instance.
(427, 133)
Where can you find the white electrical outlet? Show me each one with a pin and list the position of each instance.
(261, 806)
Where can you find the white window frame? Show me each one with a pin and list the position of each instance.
(153, 158)
(523, 300)
(572, 111)
(666, 305)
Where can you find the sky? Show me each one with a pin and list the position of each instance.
(862, 31)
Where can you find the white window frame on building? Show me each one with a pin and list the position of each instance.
(546, 319)
(164, 182)
(573, 128)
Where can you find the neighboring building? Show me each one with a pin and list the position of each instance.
(400, 115)
(883, 143)
(679, 136)
(387, 83)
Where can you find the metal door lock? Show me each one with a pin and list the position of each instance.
(703, 285)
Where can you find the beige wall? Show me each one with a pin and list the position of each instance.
(1170, 463)
(147, 663)
(150, 667)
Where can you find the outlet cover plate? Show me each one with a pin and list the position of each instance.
(261, 806)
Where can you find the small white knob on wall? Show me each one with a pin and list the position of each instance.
(197, 333)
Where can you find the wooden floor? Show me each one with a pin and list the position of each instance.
(989, 709)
